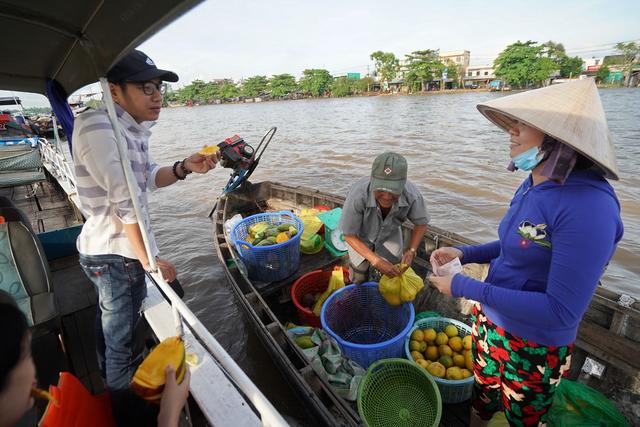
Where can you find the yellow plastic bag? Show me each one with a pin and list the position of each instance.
(336, 281)
(311, 222)
(310, 241)
(403, 288)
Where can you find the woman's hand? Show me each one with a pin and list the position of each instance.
(444, 255)
(385, 267)
(441, 283)
(200, 163)
(174, 397)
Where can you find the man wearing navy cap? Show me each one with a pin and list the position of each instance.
(112, 252)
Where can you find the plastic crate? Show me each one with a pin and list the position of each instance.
(396, 392)
(366, 327)
(269, 263)
(452, 391)
(311, 283)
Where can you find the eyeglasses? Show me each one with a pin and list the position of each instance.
(149, 88)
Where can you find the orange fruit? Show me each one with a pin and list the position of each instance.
(432, 353)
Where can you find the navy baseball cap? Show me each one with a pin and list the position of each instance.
(138, 67)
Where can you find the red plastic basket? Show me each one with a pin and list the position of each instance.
(311, 283)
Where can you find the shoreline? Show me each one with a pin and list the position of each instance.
(259, 100)
(252, 100)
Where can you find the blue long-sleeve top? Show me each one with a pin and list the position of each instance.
(554, 244)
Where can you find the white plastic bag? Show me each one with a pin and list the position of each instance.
(449, 269)
(229, 224)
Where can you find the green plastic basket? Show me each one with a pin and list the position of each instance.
(398, 393)
(452, 391)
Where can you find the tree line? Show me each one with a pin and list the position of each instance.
(314, 82)
(527, 64)
(521, 65)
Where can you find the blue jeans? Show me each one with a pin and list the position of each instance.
(120, 283)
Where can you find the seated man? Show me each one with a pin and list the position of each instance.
(372, 219)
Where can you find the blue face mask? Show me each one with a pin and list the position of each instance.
(528, 160)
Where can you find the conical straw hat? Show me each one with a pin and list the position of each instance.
(569, 112)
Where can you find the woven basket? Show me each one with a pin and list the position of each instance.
(452, 391)
(398, 393)
(274, 262)
(365, 325)
(312, 282)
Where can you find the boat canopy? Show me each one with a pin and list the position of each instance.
(74, 42)
(10, 100)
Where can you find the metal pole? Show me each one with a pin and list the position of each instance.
(126, 167)
(19, 104)
(269, 415)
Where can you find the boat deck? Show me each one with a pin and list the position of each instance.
(72, 347)
(44, 204)
(48, 211)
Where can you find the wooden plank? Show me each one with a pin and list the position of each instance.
(215, 394)
(278, 334)
(619, 323)
(48, 203)
(609, 347)
(53, 213)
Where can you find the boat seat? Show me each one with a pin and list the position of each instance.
(24, 272)
(13, 214)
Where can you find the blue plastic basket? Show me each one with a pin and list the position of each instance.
(274, 262)
(452, 391)
(366, 327)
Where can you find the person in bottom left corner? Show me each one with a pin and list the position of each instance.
(112, 252)
(18, 374)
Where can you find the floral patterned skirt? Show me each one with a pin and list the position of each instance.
(513, 374)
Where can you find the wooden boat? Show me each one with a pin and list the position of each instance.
(608, 333)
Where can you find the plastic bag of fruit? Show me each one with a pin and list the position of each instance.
(402, 288)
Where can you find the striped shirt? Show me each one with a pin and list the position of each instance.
(102, 190)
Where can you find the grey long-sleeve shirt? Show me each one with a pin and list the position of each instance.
(362, 217)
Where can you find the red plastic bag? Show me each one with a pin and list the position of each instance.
(76, 406)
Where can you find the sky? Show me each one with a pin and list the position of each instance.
(243, 38)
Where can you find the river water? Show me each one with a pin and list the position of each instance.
(456, 157)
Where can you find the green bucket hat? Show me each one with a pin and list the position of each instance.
(389, 173)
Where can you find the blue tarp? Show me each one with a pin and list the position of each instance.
(58, 100)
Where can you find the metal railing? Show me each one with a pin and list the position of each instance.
(60, 167)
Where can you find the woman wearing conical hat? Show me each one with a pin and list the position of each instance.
(559, 233)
